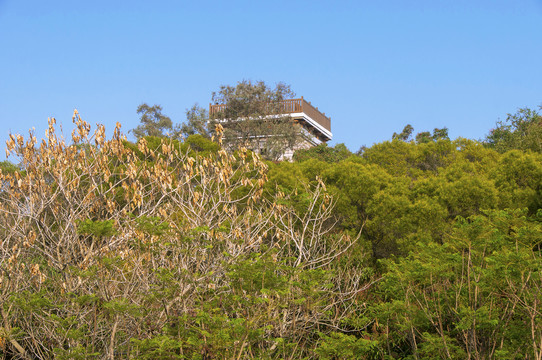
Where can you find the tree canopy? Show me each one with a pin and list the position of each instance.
(153, 122)
(252, 118)
(522, 131)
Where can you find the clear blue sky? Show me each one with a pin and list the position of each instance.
(373, 66)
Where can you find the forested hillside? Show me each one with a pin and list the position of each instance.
(176, 249)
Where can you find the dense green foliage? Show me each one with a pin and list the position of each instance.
(453, 230)
(323, 152)
(414, 249)
(522, 130)
(406, 192)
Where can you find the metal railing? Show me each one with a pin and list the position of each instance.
(288, 106)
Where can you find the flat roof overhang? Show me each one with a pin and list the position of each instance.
(320, 131)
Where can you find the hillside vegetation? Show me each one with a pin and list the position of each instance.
(167, 249)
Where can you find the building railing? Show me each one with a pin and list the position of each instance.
(289, 106)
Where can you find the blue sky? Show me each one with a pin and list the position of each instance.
(373, 66)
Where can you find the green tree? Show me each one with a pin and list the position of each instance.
(518, 178)
(197, 122)
(438, 134)
(522, 131)
(405, 134)
(8, 167)
(473, 296)
(423, 137)
(153, 122)
(253, 117)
